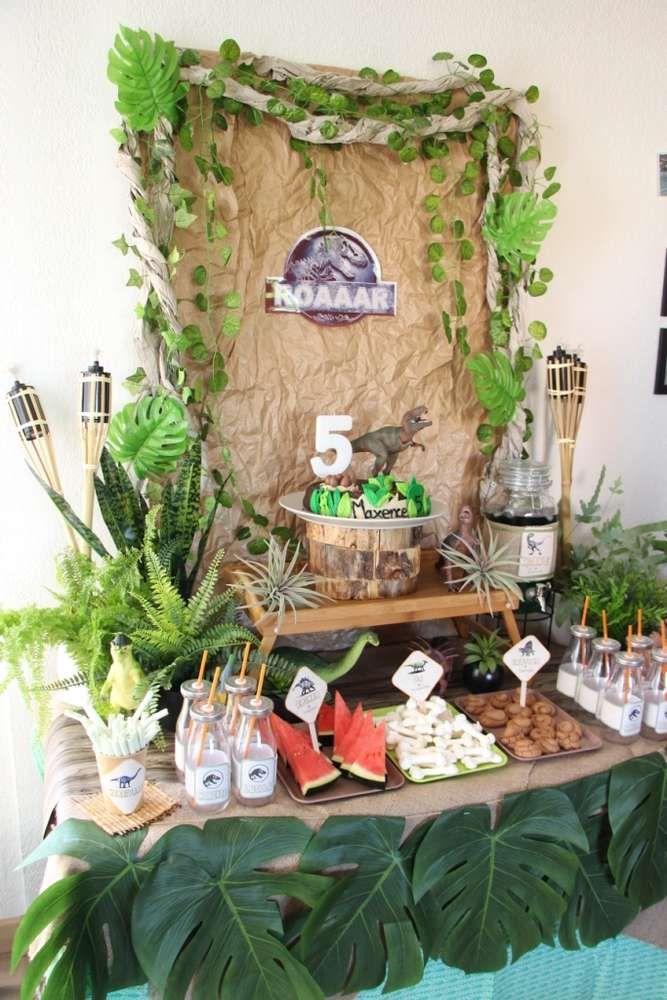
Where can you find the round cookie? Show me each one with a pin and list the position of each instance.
(524, 747)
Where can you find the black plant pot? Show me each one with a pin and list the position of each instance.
(479, 680)
(172, 701)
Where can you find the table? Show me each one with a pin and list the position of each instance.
(430, 601)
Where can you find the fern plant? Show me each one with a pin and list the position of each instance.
(176, 631)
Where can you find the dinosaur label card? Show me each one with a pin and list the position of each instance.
(417, 676)
(524, 659)
(304, 699)
(122, 780)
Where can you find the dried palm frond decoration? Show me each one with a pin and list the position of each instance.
(277, 584)
(567, 378)
(484, 567)
(34, 434)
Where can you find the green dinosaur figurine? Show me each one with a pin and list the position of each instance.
(284, 662)
(125, 683)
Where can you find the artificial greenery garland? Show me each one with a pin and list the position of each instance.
(163, 93)
(575, 863)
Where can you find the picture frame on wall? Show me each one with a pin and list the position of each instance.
(661, 365)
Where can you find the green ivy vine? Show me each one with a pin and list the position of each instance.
(166, 95)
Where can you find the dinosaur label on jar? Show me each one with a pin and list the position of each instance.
(333, 277)
(123, 784)
(631, 717)
(211, 783)
(537, 556)
(256, 779)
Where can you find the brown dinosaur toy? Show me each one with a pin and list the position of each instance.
(388, 442)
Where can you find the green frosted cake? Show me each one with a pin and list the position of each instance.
(382, 497)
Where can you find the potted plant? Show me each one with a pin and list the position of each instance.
(483, 666)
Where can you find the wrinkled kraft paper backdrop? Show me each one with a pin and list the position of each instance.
(284, 369)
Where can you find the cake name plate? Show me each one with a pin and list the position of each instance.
(293, 502)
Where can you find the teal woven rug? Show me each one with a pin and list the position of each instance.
(621, 969)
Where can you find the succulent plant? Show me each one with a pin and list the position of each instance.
(485, 568)
(277, 584)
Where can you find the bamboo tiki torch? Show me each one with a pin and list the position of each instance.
(35, 436)
(567, 377)
(95, 414)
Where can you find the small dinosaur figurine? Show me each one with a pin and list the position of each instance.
(284, 662)
(463, 540)
(388, 442)
(125, 682)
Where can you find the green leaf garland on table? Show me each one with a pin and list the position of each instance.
(638, 818)
(596, 910)
(90, 944)
(364, 920)
(501, 886)
(207, 913)
(518, 224)
(152, 434)
(497, 385)
(147, 75)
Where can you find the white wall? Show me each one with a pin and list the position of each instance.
(600, 67)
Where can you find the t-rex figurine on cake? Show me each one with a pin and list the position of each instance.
(383, 496)
(388, 442)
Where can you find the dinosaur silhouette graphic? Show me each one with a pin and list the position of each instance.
(527, 648)
(258, 773)
(634, 714)
(534, 546)
(305, 686)
(212, 779)
(418, 668)
(125, 780)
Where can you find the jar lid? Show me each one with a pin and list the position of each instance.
(606, 645)
(583, 631)
(660, 655)
(520, 474)
(239, 685)
(195, 689)
(255, 707)
(201, 711)
(624, 659)
(642, 642)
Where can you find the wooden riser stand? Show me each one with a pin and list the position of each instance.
(430, 601)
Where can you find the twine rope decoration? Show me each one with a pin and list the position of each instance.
(146, 237)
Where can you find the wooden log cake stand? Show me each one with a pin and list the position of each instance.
(360, 563)
(429, 601)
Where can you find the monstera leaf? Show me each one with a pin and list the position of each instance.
(499, 887)
(638, 817)
(497, 386)
(518, 224)
(147, 75)
(151, 434)
(205, 915)
(364, 920)
(89, 943)
(596, 910)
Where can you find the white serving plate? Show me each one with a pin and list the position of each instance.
(293, 502)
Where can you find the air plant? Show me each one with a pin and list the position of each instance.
(484, 567)
(277, 584)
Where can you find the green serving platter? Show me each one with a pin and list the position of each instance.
(378, 713)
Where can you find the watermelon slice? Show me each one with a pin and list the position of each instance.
(342, 719)
(325, 720)
(348, 735)
(356, 737)
(311, 769)
(369, 761)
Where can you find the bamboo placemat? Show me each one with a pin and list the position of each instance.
(156, 805)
